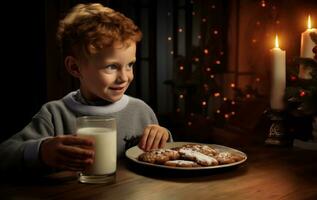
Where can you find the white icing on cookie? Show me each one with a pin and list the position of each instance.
(181, 162)
(198, 157)
(225, 155)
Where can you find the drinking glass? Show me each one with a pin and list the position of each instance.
(104, 132)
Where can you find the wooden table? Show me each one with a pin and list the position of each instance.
(269, 173)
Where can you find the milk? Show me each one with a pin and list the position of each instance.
(105, 161)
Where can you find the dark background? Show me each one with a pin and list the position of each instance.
(23, 85)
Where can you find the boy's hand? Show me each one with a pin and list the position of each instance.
(67, 152)
(154, 137)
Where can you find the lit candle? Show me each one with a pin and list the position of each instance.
(306, 50)
(278, 72)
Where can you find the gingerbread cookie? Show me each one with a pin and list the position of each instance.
(181, 163)
(159, 156)
(200, 158)
(204, 149)
(228, 157)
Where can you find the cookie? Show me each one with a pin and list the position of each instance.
(181, 163)
(204, 149)
(228, 157)
(200, 158)
(152, 157)
(159, 156)
(172, 154)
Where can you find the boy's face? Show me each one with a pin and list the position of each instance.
(108, 74)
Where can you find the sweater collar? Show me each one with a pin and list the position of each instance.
(72, 102)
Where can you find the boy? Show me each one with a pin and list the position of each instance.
(99, 47)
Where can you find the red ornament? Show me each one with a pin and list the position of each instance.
(293, 78)
(302, 93)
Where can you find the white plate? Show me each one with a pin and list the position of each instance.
(135, 151)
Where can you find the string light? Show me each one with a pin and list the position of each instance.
(263, 4)
(209, 69)
(217, 94)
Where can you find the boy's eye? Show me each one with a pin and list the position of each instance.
(111, 68)
(130, 65)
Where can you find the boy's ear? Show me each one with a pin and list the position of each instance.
(72, 66)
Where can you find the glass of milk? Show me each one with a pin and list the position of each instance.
(104, 132)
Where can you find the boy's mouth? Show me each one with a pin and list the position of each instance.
(117, 88)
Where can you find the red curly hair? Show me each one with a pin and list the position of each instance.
(88, 28)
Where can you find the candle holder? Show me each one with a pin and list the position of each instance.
(277, 133)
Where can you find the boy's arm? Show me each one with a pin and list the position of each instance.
(21, 151)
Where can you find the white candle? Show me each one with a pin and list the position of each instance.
(278, 79)
(306, 50)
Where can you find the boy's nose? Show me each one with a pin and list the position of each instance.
(122, 75)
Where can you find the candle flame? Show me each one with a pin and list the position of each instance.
(309, 22)
(276, 41)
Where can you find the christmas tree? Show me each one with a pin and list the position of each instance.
(195, 82)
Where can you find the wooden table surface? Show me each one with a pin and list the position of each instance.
(269, 173)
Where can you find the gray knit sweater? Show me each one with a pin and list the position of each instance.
(21, 152)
